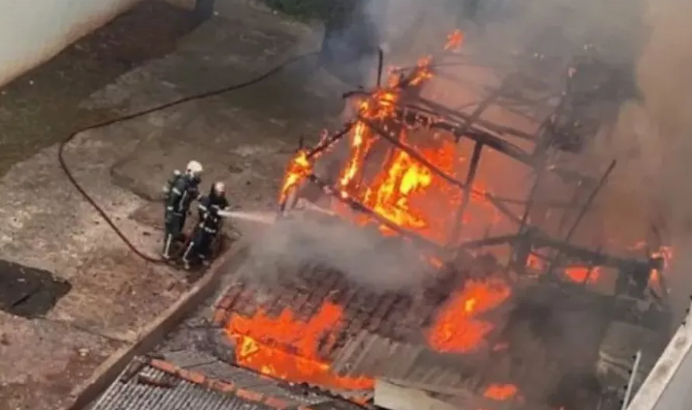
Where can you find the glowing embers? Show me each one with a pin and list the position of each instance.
(501, 392)
(576, 274)
(289, 349)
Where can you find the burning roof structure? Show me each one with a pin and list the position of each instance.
(517, 306)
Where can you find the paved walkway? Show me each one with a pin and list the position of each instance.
(243, 138)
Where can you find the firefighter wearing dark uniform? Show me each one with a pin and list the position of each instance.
(209, 225)
(181, 190)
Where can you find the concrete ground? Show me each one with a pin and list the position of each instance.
(243, 138)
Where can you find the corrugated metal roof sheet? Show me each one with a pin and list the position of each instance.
(376, 356)
(148, 386)
(247, 379)
(151, 384)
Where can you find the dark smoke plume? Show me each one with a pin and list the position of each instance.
(653, 142)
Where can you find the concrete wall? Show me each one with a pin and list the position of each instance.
(33, 31)
(667, 387)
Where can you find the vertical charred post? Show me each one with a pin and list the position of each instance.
(522, 247)
(475, 158)
(470, 177)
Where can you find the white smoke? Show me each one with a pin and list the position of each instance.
(290, 246)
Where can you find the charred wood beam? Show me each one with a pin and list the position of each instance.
(520, 250)
(517, 100)
(502, 146)
(434, 169)
(483, 106)
(502, 208)
(470, 177)
(595, 257)
(588, 256)
(498, 144)
(582, 212)
(451, 116)
(380, 66)
(406, 80)
(494, 142)
(360, 207)
(479, 137)
(492, 241)
(516, 109)
(439, 109)
(548, 204)
(330, 140)
(485, 138)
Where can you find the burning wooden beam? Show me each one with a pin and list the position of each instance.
(433, 168)
(330, 140)
(360, 207)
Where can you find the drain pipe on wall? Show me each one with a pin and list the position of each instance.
(667, 387)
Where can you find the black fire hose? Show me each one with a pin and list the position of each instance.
(142, 113)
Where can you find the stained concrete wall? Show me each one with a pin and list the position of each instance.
(33, 31)
(667, 387)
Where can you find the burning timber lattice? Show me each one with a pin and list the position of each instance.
(390, 111)
(336, 335)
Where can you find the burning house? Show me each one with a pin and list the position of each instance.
(513, 306)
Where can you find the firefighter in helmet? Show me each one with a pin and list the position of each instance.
(180, 191)
(210, 221)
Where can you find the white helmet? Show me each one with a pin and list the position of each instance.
(219, 187)
(194, 168)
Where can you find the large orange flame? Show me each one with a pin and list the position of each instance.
(455, 328)
(286, 348)
(298, 169)
(397, 193)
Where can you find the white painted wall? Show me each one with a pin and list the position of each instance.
(33, 31)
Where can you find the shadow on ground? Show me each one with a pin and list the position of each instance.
(42, 107)
(29, 292)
